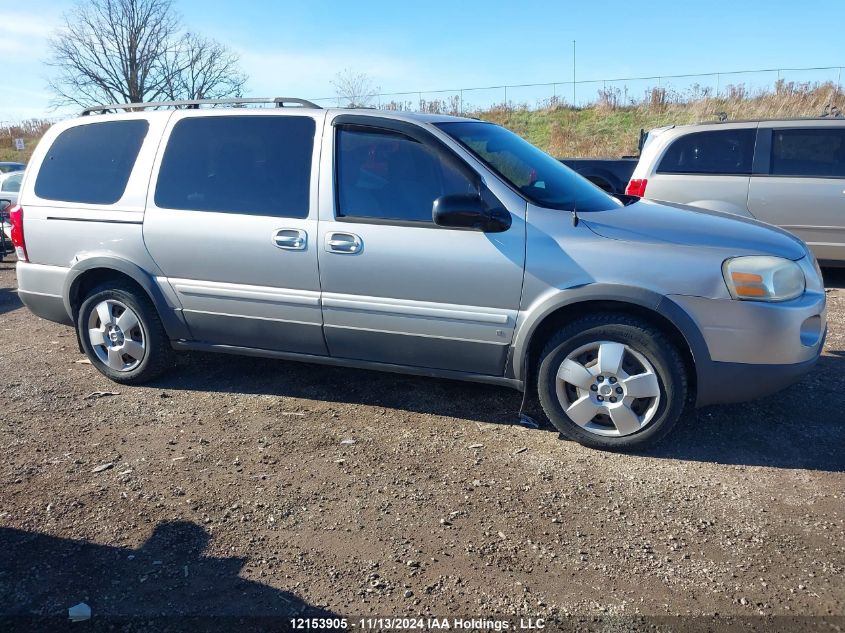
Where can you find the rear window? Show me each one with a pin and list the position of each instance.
(255, 165)
(725, 152)
(811, 152)
(91, 163)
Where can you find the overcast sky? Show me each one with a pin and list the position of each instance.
(295, 49)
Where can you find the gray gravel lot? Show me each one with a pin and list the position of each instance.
(240, 486)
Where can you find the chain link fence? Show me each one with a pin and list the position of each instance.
(614, 93)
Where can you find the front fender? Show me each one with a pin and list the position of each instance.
(530, 320)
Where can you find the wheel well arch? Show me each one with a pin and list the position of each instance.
(89, 279)
(98, 270)
(567, 313)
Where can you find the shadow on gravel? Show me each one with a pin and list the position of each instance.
(219, 373)
(166, 584)
(834, 277)
(9, 300)
(801, 427)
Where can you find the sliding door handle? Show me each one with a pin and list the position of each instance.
(290, 239)
(343, 243)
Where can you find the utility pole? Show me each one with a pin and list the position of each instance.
(573, 73)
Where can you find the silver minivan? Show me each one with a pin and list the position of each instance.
(425, 244)
(788, 172)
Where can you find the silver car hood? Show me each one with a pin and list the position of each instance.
(669, 223)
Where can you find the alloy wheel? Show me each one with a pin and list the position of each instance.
(116, 335)
(608, 388)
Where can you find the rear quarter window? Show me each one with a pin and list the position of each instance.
(254, 165)
(91, 163)
(719, 152)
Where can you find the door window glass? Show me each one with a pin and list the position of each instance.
(387, 175)
(809, 152)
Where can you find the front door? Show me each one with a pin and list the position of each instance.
(397, 288)
(803, 189)
(231, 221)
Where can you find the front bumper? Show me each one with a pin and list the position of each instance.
(753, 348)
(726, 383)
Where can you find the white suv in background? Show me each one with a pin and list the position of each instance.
(789, 172)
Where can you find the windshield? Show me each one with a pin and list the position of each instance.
(12, 183)
(543, 180)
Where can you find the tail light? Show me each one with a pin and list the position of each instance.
(16, 219)
(636, 187)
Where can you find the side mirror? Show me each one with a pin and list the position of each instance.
(469, 212)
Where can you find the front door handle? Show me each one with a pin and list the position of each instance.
(344, 243)
(290, 239)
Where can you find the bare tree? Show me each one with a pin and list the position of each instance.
(111, 51)
(202, 68)
(356, 90)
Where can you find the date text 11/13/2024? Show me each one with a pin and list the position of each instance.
(419, 624)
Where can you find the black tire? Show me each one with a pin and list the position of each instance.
(640, 336)
(158, 355)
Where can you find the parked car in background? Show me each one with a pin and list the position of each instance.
(10, 186)
(6, 167)
(608, 174)
(789, 172)
(416, 243)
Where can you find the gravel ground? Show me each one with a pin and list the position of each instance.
(239, 486)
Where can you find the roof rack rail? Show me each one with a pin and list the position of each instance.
(767, 120)
(280, 102)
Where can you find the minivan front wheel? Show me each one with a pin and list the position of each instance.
(122, 335)
(612, 381)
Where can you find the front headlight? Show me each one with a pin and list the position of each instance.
(763, 278)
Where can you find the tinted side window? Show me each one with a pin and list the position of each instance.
(727, 152)
(809, 152)
(387, 175)
(91, 163)
(256, 165)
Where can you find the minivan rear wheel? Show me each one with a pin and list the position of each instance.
(612, 381)
(122, 334)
